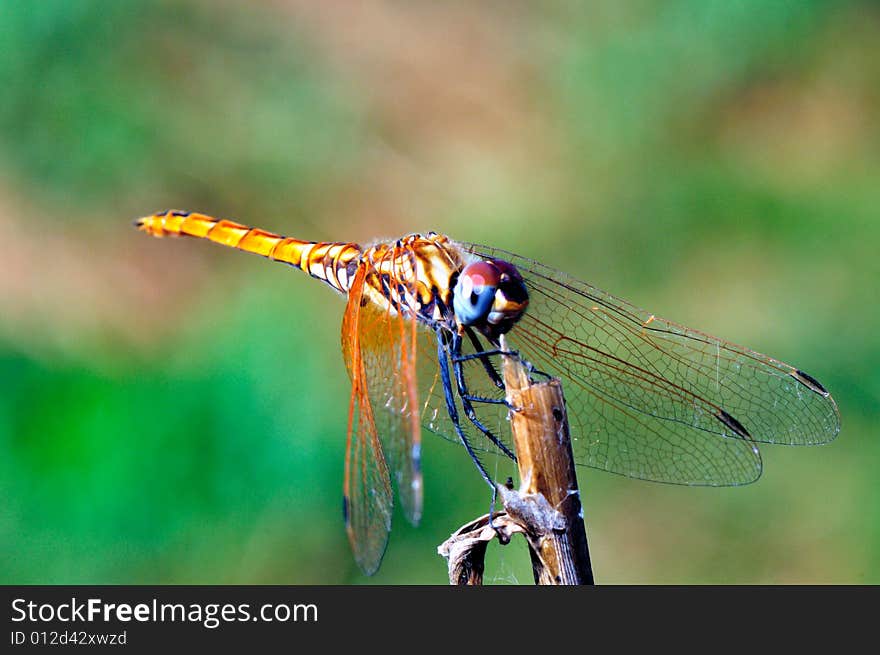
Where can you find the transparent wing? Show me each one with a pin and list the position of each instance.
(388, 341)
(367, 490)
(651, 399)
(611, 437)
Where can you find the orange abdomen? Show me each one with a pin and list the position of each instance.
(326, 261)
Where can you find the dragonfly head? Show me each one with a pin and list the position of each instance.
(490, 295)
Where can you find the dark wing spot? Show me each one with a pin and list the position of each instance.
(733, 424)
(810, 382)
(180, 213)
(345, 515)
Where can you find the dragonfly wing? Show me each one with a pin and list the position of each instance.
(389, 347)
(367, 491)
(655, 400)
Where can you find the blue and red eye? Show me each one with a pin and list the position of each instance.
(489, 295)
(474, 293)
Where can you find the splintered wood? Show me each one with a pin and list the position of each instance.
(547, 507)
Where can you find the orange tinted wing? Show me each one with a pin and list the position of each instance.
(367, 487)
(389, 343)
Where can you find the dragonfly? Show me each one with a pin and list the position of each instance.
(422, 330)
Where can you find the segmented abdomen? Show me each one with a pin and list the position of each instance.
(333, 263)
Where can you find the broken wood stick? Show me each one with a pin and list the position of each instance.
(547, 506)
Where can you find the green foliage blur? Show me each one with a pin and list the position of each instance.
(175, 412)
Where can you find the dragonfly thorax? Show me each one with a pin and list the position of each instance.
(491, 296)
(440, 283)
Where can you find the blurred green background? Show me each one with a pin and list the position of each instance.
(174, 412)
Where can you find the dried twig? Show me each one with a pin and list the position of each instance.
(465, 550)
(547, 507)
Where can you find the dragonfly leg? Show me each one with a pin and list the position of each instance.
(442, 346)
(488, 401)
(484, 358)
(445, 378)
(472, 417)
(531, 369)
(466, 398)
(484, 355)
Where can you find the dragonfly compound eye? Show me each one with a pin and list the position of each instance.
(490, 295)
(474, 293)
